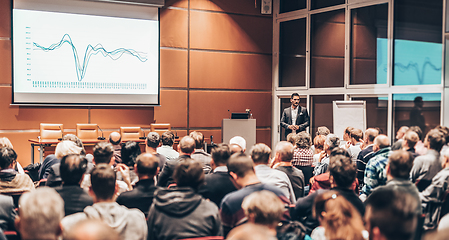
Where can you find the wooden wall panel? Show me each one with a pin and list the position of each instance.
(173, 108)
(230, 70)
(229, 6)
(173, 68)
(263, 136)
(173, 28)
(217, 104)
(230, 32)
(116, 118)
(5, 61)
(177, 3)
(5, 18)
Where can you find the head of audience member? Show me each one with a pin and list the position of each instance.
(347, 134)
(250, 231)
(234, 148)
(72, 169)
(260, 154)
(189, 173)
(332, 141)
(186, 146)
(399, 165)
(370, 135)
(445, 131)
(147, 166)
(239, 141)
(434, 140)
(115, 138)
(418, 131)
(153, 141)
(103, 183)
(199, 139)
(291, 138)
(76, 140)
(264, 208)
(323, 130)
(401, 132)
(167, 138)
(220, 155)
(4, 142)
(410, 140)
(65, 148)
(284, 152)
(356, 136)
(91, 229)
(294, 99)
(341, 169)
(303, 140)
(130, 151)
(8, 158)
(445, 158)
(391, 214)
(40, 214)
(381, 142)
(318, 142)
(337, 216)
(104, 153)
(241, 169)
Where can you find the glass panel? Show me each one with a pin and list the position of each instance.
(369, 52)
(292, 5)
(447, 18)
(292, 53)
(418, 42)
(325, 3)
(417, 109)
(327, 49)
(322, 112)
(376, 112)
(285, 103)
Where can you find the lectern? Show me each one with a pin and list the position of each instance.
(245, 128)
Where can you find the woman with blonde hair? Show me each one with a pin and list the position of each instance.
(338, 219)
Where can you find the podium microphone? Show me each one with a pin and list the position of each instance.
(62, 134)
(176, 135)
(143, 135)
(102, 134)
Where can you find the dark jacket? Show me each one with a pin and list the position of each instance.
(296, 178)
(49, 161)
(302, 120)
(166, 175)
(216, 186)
(179, 213)
(141, 197)
(7, 213)
(75, 198)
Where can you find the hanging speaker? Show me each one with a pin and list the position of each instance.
(265, 8)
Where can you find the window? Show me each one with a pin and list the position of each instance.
(322, 112)
(325, 3)
(292, 5)
(376, 111)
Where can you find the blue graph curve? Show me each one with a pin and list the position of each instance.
(81, 68)
(420, 73)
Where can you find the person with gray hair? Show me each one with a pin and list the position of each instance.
(239, 141)
(40, 215)
(332, 141)
(303, 155)
(152, 142)
(283, 158)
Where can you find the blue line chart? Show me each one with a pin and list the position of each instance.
(81, 67)
(420, 73)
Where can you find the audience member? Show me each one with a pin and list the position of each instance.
(291, 138)
(40, 215)
(241, 169)
(400, 138)
(72, 169)
(63, 148)
(260, 154)
(303, 155)
(4, 142)
(250, 231)
(323, 131)
(199, 153)
(141, 197)
(375, 168)
(239, 141)
(129, 223)
(234, 148)
(218, 183)
(366, 154)
(391, 215)
(129, 153)
(115, 139)
(338, 218)
(332, 141)
(167, 139)
(409, 141)
(283, 156)
(356, 144)
(91, 229)
(179, 212)
(153, 141)
(425, 167)
(7, 213)
(185, 148)
(346, 142)
(10, 180)
(420, 148)
(318, 143)
(445, 131)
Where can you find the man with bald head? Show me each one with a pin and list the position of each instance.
(115, 139)
(185, 148)
(367, 153)
(375, 168)
(283, 156)
(141, 197)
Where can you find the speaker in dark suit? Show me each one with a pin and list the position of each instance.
(301, 114)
